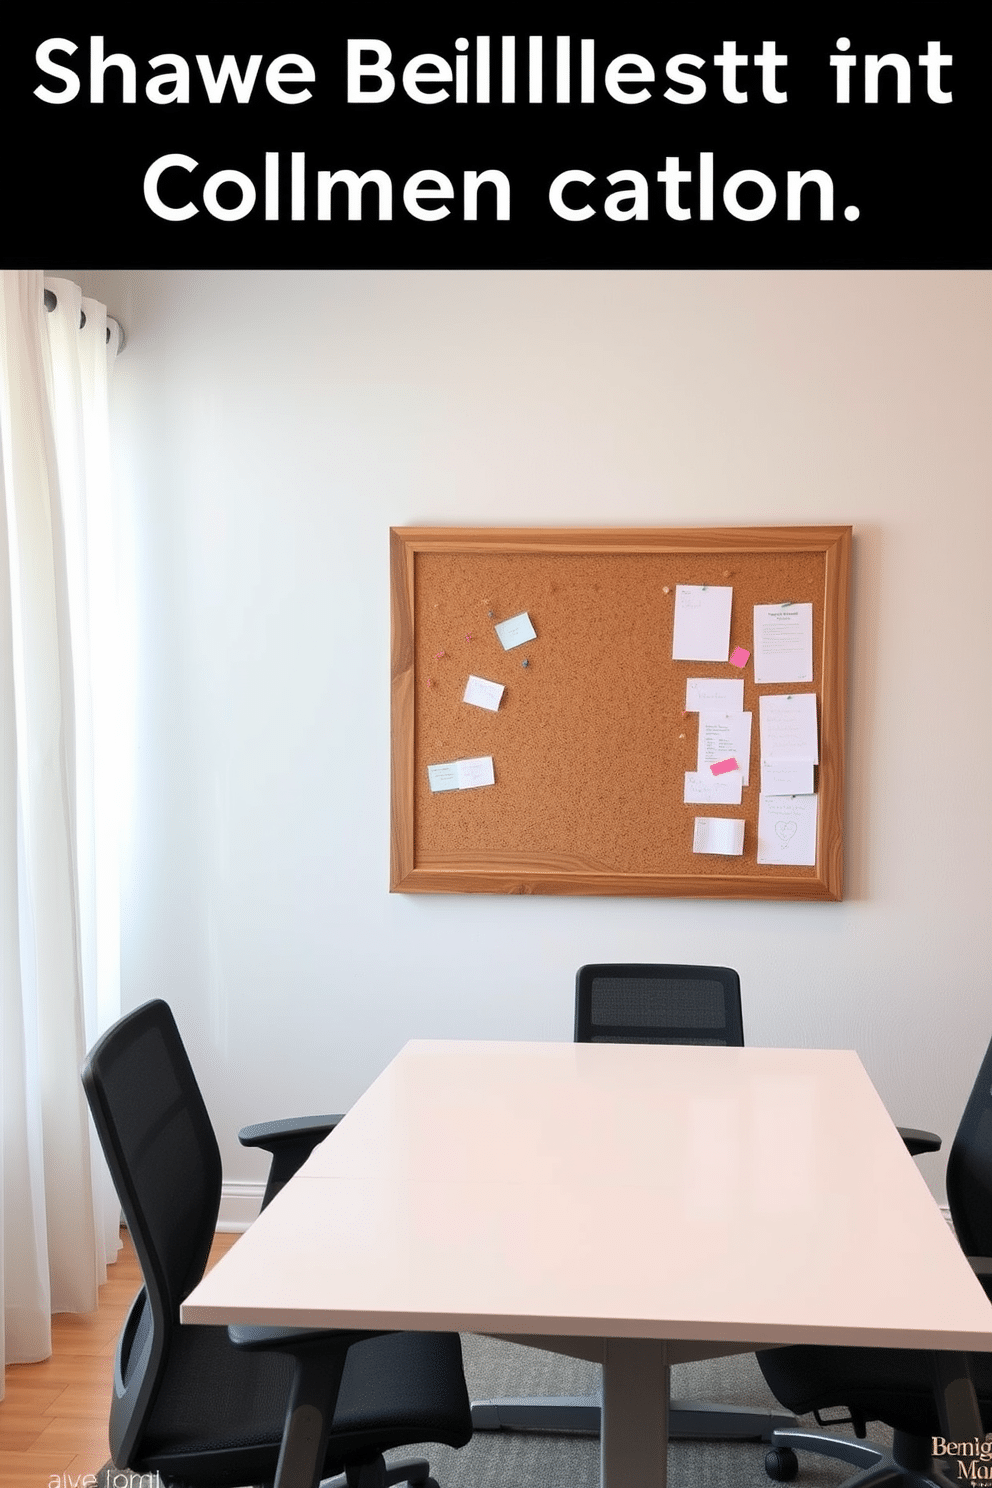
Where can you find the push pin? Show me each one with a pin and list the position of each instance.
(489, 613)
(665, 589)
(681, 736)
(726, 573)
(525, 662)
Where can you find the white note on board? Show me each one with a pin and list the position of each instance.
(443, 777)
(724, 736)
(702, 622)
(786, 777)
(718, 834)
(516, 631)
(464, 774)
(787, 723)
(787, 830)
(714, 695)
(483, 694)
(783, 643)
(703, 788)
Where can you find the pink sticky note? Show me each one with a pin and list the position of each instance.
(739, 657)
(722, 766)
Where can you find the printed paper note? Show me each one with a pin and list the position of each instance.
(462, 774)
(483, 694)
(516, 631)
(787, 830)
(724, 736)
(786, 777)
(702, 622)
(788, 727)
(712, 790)
(714, 695)
(783, 643)
(719, 834)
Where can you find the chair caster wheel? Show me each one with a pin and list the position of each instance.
(782, 1464)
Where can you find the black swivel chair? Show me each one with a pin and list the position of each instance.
(208, 1407)
(627, 1003)
(895, 1386)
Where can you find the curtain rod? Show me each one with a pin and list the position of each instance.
(51, 300)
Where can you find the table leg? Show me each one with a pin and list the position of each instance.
(634, 1438)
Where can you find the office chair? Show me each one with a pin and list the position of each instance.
(894, 1386)
(208, 1407)
(643, 1004)
(625, 1003)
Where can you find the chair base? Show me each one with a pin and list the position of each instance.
(582, 1413)
(375, 1474)
(908, 1465)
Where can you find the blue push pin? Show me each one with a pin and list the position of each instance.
(525, 662)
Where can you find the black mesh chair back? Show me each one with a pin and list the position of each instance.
(969, 1168)
(635, 1003)
(191, 1408)
(165, 1163)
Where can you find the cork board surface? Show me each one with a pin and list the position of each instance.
(591, 741)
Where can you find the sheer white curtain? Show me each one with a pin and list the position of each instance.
(59, 928)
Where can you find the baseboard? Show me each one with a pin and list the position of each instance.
(239, 1205)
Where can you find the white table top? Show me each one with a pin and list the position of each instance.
(625, 1191)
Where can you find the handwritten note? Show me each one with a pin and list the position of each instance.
(718, 834)
(712, 790)
(787, 830)
(786, 777)
(714, 695)
(516, 631)
(464, 774)
(702, 622)
(483, 694)
(783, 643)
(788, 726)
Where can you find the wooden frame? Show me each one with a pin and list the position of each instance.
(461, 563)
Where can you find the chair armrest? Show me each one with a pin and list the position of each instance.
(318, 1356)
(273, 1134)
(919, 1141)
(290, 1142)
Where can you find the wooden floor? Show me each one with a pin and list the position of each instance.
(53, 1417)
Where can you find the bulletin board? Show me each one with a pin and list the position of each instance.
(591, 739)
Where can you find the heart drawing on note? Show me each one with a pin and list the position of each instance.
(785, 831)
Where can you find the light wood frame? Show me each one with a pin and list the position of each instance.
(532, 873)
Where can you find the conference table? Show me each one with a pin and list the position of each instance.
(637, 1205)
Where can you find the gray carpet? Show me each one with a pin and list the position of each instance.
(503, 1459)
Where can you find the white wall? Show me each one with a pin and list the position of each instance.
(274, 425)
